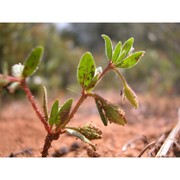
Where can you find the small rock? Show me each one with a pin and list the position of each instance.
(74, 146)
(62, 151)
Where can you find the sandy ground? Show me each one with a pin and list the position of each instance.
(22, 134)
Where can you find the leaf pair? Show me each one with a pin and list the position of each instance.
(122, 56)
(86, 72)
(58, 115)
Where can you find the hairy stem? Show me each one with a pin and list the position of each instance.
(34, 105)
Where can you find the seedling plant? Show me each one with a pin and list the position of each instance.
(56, 120)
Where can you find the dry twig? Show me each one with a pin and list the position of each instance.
(146, 147)
(170, 139)
(131, 142)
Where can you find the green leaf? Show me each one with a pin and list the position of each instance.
(45, 103)
(117, 51)
(127, 46)
(81, 137)
(131, 60)
(63, 114)
(32, 61)
(121, 57)
(99, 107)
(108, 46)
(54, 113)
(86, 70)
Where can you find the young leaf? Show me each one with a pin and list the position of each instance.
(117, 51)
(45, 103)
(108, 46)
(127, 46)
(63, 114)
(121, 57)
(54, 113)
(131, 60)
(86, 70)
(99, 107)
(32, 61)
(81, 137)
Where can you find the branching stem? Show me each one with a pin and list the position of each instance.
(110, 66)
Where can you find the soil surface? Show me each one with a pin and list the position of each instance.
(22, 134)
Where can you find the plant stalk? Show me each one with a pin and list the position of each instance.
(120, 76)
(76, 107)
(34, 105)
(48, 141)
(105, 70)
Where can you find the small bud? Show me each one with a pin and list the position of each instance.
(98, 71)
(13, 86)
(131, 96)
(115, 114)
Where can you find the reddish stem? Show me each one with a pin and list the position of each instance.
(80, 101)
(34, 105)
(48, 141)
(110, 66)
(12, 79)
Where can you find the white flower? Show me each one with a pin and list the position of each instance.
(17, 70)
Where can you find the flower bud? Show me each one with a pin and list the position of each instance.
(90, 131)
(13, 86)
(17, 70)
(131, 96)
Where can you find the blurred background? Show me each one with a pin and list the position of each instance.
(158, 72)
